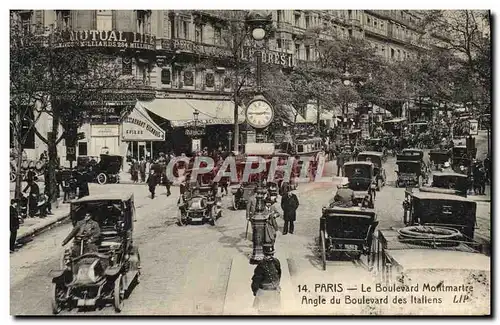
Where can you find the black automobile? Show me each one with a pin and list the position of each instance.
(377, 159)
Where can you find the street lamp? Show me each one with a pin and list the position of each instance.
(196, 114)
(259, 23)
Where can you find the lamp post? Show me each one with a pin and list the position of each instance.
(258, 220)
(259, 23)
(195, 119)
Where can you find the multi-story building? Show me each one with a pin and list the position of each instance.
(178, 61)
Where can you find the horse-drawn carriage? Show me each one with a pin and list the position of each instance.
(361, 180)
(346, 232)
(377, 158)
(94, 279)
(199, 201)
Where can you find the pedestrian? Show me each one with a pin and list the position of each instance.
(165, 180)
(14, 224)
(152, 182)
(266, 283)
(44, 155)
(271, 226)
(340, 162)
(289, 205)
(134, 171)
(31, 175)
(32, 198)
(142, 169)
(82, 183)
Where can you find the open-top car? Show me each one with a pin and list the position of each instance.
(91, 279)
(106, 170)
(410, 171)
(377, 158)
(438, 157)
(440, 207)
(346, 231)
(461, 159)
(200, 202)
(361, 180)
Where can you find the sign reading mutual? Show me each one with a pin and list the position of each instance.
(104, 38)
(138, 126)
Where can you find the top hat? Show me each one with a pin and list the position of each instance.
(269, 250)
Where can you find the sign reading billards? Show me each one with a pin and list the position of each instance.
(259, 113)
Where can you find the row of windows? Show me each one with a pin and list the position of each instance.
(188, 78)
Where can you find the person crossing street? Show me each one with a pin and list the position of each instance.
(289, 204)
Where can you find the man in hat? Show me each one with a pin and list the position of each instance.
(152, 182)
(289, 205)
(14, 224)
(447, 167)
(271, 226)
(266, 283)
(86, 230)
(344, 197)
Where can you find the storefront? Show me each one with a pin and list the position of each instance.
(139, 133)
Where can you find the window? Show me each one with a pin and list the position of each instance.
(349, 14)
(144, 21)
(308, 21)
(392, 53)
(165, 76)
(82, 148)
(63, 19)
(280, 12)
(104, 19)
(350, 32)
(297, 20)
(381, 24)
(209, 80)
(368, 20)
(227, 82)
(188, 78)
(198, 33)
(375, 22)
(399, 54)
(185, 29)
(25, 18)
(297, 50)
(308, 53)
(217, 35)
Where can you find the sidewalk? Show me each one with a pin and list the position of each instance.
(34, 226)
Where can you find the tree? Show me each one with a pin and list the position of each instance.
(59, 81)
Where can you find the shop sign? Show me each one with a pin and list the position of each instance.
(195, 132)
(104, 130)
(196, 145)
(269, 57)
(203, 122)
(473, 129)
(138, 126)
(102, 38)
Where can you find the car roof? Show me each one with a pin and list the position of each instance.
(439, 196)
(368, 163)
(449, 174)
(427, 259)
(413, 149)
(371, 153)
(408, 161)
(106, 197)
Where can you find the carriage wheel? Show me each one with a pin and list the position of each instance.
(379, 184)
(102, 178)
(323, 249)
(57, 294)
(12, 176)
(181, 220)
(138, 276)
(235, 204)
(119, 294)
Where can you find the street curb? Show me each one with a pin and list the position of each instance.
(35, 230)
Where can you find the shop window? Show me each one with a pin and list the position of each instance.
(209, 80)
(82, 148)
(126, 66)
(188, 78)
(165, 77)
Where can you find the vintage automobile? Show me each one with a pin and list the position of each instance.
(409, 173)
(461, 157)
(437, 157)
(440, 207)
(434, 257)
(418, 154)
(97, 278)
(377, 158)
(105, 171)
(200, 202)
(361, 179)
(376, 144)
(450, 180)
(346, 231)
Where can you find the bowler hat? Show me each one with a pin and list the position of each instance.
(269, 250)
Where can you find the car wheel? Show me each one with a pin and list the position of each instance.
(119, 294)
(12, 176)
(102, 178)
(235, 204)
(379, 184)
(57, 294)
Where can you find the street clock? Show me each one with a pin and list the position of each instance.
(259, 113)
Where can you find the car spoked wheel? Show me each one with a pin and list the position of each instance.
(57, 298)
(102, 178)
(119, 294)
(12, 176)
(379, 184)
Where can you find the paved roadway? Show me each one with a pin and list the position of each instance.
(186, 269)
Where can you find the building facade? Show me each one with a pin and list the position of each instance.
(177, 61)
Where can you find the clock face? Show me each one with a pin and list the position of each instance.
(259, 114)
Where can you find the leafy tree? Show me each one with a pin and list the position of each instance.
(61, 82)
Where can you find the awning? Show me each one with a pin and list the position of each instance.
(180, 111)
(312, 114)
(138, 126)
(379, 110)
(396, 120)
(292, 112)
